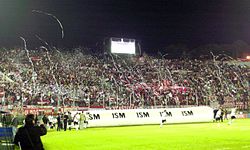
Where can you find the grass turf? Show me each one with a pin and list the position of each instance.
(199, 136)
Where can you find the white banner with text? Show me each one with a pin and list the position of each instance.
(148, 116)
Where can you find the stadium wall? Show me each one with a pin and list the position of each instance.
(248, 116)
(148, 116)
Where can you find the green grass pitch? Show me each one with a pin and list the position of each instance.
(196, 136)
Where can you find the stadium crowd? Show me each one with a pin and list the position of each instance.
(52, 77)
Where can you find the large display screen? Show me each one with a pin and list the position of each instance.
(123, 46)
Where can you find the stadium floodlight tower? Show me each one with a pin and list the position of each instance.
(124, 46)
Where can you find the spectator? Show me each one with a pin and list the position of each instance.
(115, 82)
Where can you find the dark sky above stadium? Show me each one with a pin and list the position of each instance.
(155, 23)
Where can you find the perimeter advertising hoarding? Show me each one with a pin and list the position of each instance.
(148, 116)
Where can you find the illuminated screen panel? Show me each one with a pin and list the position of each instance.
(123, 46)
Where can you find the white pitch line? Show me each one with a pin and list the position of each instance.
(246, 146)
(225, 148)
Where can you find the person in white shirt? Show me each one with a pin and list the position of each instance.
(218, 114)
(76, 121)
(163, 120)
(232, 116)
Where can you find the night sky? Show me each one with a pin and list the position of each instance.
(155, 23)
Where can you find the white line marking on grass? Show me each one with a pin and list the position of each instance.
(225, 148)
(246, 146)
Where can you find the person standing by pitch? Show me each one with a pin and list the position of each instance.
(65, 121)
(28, 136)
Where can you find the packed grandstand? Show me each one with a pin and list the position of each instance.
(44, 77)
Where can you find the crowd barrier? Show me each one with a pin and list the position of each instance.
(148, 116)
